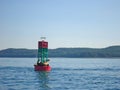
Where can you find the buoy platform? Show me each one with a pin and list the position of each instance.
(42, 68)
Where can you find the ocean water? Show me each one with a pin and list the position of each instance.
(66, 74)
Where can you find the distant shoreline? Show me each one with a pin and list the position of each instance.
(108, 52)
(71, 57)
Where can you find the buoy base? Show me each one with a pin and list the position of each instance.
(42, 68)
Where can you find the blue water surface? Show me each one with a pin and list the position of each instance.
(66, 74)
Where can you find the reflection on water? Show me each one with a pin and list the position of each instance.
(43, 79)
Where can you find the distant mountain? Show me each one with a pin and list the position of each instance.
(11, 52)
(112, 51)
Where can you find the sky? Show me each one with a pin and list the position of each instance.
(64, 23)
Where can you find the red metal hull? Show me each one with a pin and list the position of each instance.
(42, 68)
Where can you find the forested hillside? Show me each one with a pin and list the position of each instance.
(113, 51)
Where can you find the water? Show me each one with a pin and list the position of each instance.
(66, 74)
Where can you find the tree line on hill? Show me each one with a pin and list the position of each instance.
(112, 51)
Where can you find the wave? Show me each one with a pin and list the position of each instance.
(87, 69)
(61, 69)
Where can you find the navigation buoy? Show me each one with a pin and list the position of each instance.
(42, 62)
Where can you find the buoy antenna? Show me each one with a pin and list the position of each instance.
(43, 38)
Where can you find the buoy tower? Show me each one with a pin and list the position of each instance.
(42, 62)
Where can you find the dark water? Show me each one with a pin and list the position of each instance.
(66, 74)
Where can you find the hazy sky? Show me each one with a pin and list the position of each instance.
(65, 23)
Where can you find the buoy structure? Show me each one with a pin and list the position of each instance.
(42, 62)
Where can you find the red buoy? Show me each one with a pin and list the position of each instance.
(42, 68)
(42, 62)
